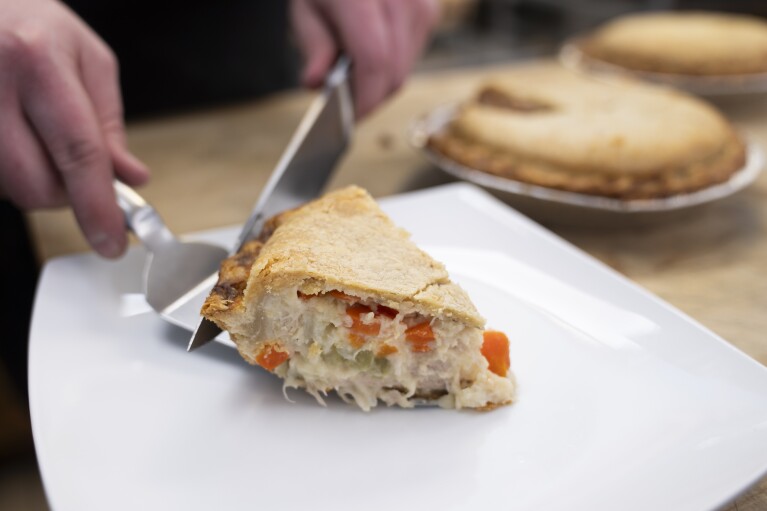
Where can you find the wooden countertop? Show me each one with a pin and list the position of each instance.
(209, 167)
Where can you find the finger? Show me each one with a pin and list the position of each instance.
(424, 18)
(411, 22)
(361, 27)
(315, 41)
(63, 117)
(100, 78)
(399, 17)
(26, 176)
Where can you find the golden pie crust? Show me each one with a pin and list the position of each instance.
(330, 239)
(687, 43)
(546, 126)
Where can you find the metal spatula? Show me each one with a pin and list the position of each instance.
(306, 165)
(174, 268)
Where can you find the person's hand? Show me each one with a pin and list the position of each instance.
(62, 138)
(383, 38)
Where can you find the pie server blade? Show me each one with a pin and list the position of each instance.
(300, 175)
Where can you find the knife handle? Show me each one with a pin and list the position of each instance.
(142, 218)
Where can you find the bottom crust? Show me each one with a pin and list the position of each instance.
(710, 171)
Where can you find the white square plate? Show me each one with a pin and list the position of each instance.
(624, 402)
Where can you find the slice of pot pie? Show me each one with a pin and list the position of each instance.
(686, 43)
(334, 296)
(546, 126)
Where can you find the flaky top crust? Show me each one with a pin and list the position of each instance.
(614, 128)
(695, 43)
(342, 241)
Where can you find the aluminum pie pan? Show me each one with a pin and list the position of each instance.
(432, 123)
(572, 57)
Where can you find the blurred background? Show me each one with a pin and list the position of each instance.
(471, 33)
(485, 31)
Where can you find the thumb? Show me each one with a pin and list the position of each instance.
(315, 40)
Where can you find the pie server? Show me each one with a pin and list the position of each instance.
(301, 173)
(173, 267)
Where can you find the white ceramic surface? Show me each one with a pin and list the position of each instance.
(624, 403)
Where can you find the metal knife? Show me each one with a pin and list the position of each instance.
(304, 168)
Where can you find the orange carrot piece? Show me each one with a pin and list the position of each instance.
(383, 310)
(386, 349)
(420, 336)
(271, 356)
(358, 327)
(420, 346)
(420, 332)
(357, 341)
(495, 348)
(340, 295)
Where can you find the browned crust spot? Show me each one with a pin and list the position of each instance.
(228, 292)
(490, 96)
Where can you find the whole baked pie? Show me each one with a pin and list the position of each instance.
(624, 139)
(688, 43)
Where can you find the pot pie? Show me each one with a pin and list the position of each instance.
(688, 43)
(546, 126)
(334, 296)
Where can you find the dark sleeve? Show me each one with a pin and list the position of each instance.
(179, 54)
(758, 7)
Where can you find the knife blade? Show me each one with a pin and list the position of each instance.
(306, 164)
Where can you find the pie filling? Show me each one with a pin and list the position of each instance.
(368, 352)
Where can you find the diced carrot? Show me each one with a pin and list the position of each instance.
(383, 310)
(271, 356)
(420, 336)
(420, 346)
(358, 327)
(340, 295)
(358, 309)
(386, 349)
(420, 332)
(357, 341)
(495, 348)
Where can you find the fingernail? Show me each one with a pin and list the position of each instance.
(138, 165)
(106, 246)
